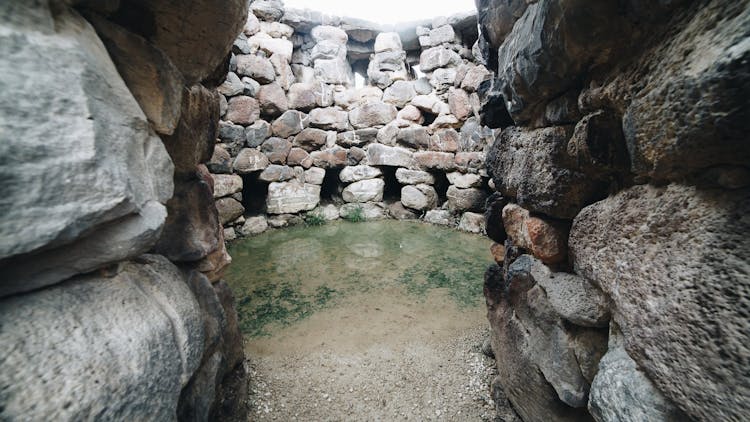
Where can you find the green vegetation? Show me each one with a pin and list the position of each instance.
(314, 220)
(356, 215)
(281, 304)
(282, 277)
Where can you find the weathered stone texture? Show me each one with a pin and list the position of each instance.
(144, 317)
(666, 256)
(99, 174)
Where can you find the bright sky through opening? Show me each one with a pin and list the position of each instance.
(386, 11)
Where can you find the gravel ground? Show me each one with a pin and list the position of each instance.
(440, 378)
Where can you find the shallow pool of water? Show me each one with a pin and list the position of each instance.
(281, 278)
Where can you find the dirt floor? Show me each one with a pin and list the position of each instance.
(375, 358)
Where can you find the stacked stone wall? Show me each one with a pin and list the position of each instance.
(299, 138)
(621, 290)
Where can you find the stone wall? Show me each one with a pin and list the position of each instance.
(111, 252)
(299, 138)
(622, 288)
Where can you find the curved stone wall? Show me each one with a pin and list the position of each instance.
(299, 137)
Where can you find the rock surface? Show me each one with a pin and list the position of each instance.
(291, 197)
(684, 234)
(144, 315)
(122, 173)
(622, 392)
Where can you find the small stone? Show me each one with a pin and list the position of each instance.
(329, 119)
(229, 210)
(272, 100)
(372, 114)
(226, 184)
(387, 41)
(419, 197)
(311, 139)
(258, 68)
(471, 199)
(276, 149)
(257, 133)
(547, 240)
(370, 190)
(435, 160)
(290, 123)
(472, 223)
(232, 85)
(498, 253)
(242, 110)
(250, 160)
(221, 161)
(439, 217)
(253, 226)
(299, 157)
(414, 177)
(315, 175)
(351, 174)
(464, 181)
(277, 173)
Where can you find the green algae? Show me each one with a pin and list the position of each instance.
(282, 277)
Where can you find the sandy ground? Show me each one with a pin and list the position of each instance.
(377, 357)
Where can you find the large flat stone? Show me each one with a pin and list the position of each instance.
(97, 347)
(105, 170)
(382, 155)
(291, 197)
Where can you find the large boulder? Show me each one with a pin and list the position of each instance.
(674, 262)
(182, 29)
(117, 346)
(680, 122)
(193, 140)
(534, 167)
(94, 196)
(155, 82)
(291, 197)
(191, 230)
(550, 46)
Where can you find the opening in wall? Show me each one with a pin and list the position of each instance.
(392, 189)
(359, 80)
(441, 186)
(330, 190)
(416, 72)
(429, 118)
(254, 192)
